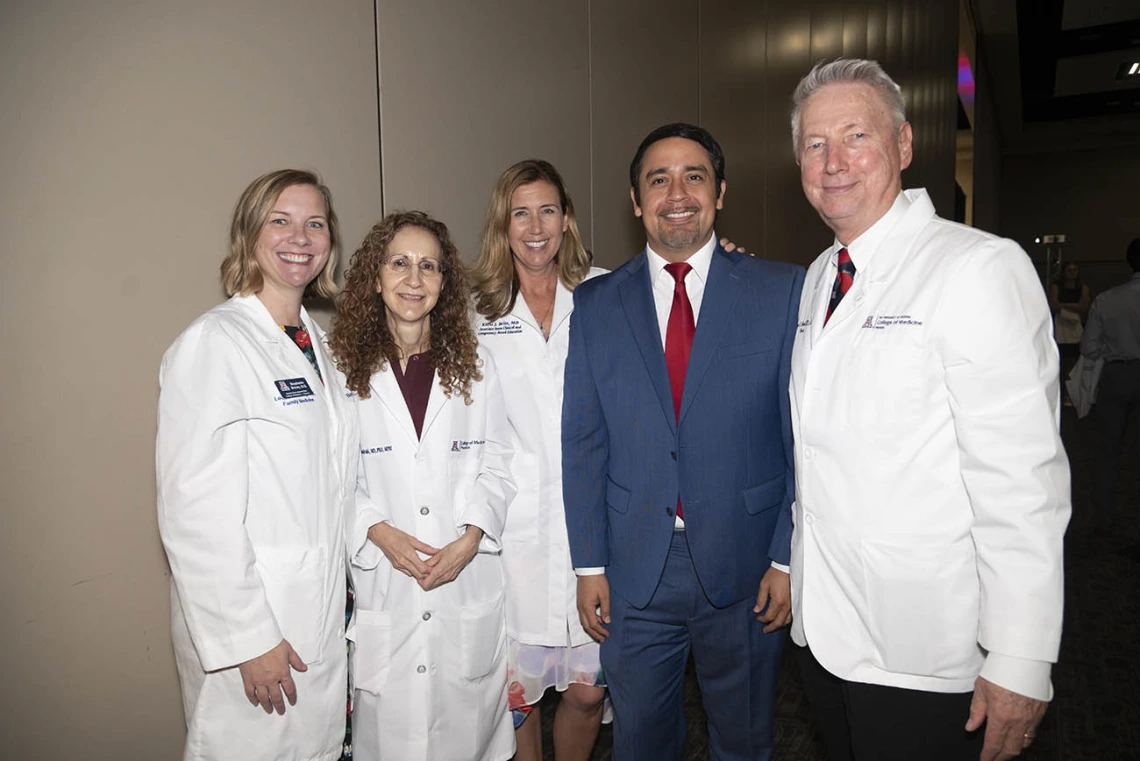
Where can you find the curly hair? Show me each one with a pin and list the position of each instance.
(361, 340)
(495, 281)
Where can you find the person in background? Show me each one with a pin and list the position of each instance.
(425, 531)
(1069, 299)
(531, 260)
(677, 463)
(1113, 335)
(256, 463)
(932, 489)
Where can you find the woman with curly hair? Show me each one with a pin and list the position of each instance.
(531, 260)
(429, 665)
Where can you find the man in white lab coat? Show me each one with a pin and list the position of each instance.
(932, 489)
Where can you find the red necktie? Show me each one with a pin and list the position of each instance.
(844, 277)
(679, 339)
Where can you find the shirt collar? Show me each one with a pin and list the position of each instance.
(699, 261)
(863, 248)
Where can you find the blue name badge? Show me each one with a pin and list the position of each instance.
(291, 388)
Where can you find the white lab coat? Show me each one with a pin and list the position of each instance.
(542, 589)
(252, 487)
(429, 668)
(932, 489)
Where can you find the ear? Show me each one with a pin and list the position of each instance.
(906, 145)
(636, 208)
(720, 196)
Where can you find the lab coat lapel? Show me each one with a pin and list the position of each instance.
(273, 336)
(436, 401)
(563, 306)
(387, 390)
(721, 293)
(637, 301)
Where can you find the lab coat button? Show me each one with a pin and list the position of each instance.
(427, 615)
(421, 669)
(809, 453)
(424, 511)
(809, 519)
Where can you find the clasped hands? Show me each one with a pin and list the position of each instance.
(442, 565)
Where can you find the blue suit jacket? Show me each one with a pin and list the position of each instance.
(625, 458)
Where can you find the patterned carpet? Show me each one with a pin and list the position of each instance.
(1096, 711)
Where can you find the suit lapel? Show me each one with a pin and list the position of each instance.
(637, 301)
(721, 293)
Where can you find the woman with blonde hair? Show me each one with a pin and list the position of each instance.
(428, 661)
(256, 462)
(531, 260)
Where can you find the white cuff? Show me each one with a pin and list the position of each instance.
(781, 567)
(1021, 675)
(595, 571)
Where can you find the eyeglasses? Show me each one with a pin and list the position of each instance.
(402, 265)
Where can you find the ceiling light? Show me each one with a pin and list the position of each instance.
(1128, 69)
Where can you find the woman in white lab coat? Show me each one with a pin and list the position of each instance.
(531, 259)
(429, 655)
(256, 461)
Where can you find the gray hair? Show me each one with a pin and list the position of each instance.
(842, 71)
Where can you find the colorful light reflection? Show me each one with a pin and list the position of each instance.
(965, 79)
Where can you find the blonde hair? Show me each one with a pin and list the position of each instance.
(493, 276)
(240, 273)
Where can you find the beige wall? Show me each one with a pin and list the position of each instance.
(128, 130)
(467, 89)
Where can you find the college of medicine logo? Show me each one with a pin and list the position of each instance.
(455, 445)
(867, 324)
(283, 386)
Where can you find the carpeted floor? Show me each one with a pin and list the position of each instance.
(1096, 711)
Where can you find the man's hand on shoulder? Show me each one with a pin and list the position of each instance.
(1011, 720)
(774, 601)
(594, 605)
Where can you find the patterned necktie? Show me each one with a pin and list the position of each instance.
(679, 340)
(844, 277)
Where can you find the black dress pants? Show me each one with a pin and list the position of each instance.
(870, 722)
(1117, 404)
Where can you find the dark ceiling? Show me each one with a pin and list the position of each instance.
(1051, 67)
(1070, 54)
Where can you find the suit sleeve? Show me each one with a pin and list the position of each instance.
(1001, 371)
(494, 488)
(202, 467)
(1092, 340)
(585, 450)
(780, 549)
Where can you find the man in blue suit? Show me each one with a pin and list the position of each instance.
(677, 463)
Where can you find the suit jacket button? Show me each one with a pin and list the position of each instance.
(673, 455)
(669, 511)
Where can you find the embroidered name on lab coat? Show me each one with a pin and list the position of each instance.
(884, 321)
(376, 450)
(501, 328)
(458, 445)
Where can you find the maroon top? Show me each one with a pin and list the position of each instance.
(415, 384)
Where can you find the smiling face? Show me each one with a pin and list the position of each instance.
(408, 286)
(679, 197)
(293, 244)
(851, 157)
(536, 226)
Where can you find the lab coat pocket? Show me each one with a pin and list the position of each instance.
(482, 637)
(371, 635)
(923, 607)
(294, 581)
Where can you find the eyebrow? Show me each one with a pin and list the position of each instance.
(690, 168)
(541, 206)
